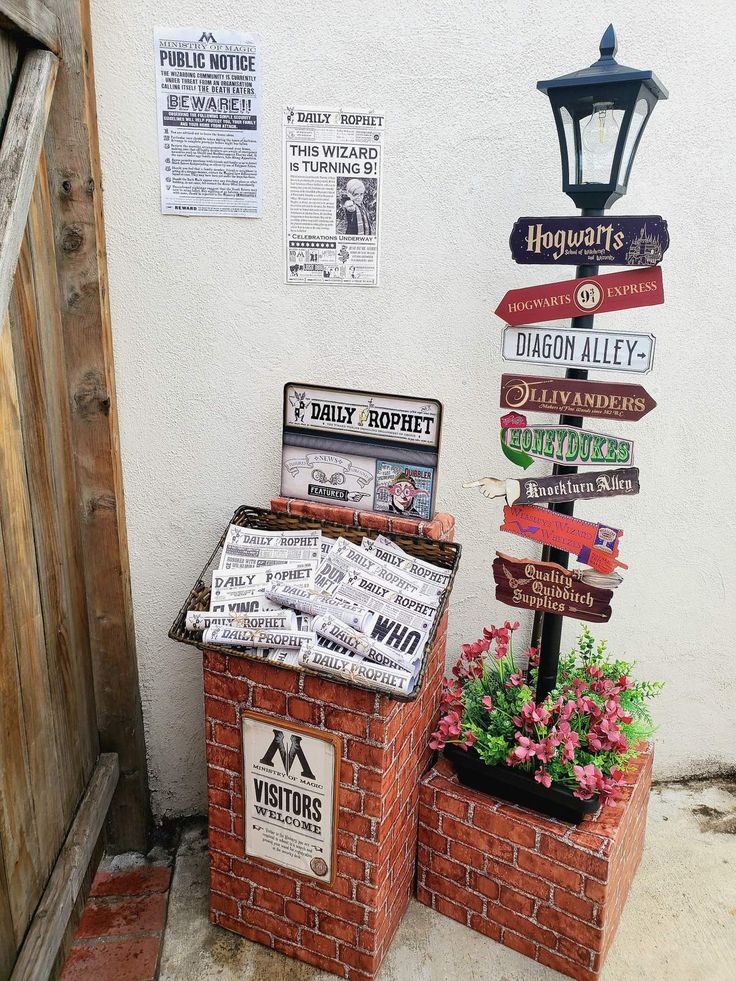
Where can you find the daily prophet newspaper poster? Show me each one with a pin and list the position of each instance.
(209, 122)
(332, 195)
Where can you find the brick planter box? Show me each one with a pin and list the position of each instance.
(345, 927)
(551, 890)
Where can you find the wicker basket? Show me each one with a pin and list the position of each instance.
(444, 554)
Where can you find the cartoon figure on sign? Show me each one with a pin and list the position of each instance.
(403, 491)
(299, 403)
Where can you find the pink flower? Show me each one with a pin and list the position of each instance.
(532, 715)
(545, 749)
(515, 680)
(533, 655)
(524, 751)
(487, 703)
(541, 776)
(595, 672)
(448, 729)
(470, 738)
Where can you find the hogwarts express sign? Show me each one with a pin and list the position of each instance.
(578, 297)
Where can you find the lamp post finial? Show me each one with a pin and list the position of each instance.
(609, 44)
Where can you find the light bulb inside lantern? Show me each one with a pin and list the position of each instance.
(600, 136)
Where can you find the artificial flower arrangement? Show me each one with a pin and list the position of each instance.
(578, 739)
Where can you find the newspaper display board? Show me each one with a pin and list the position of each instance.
(369, 451)
(291, 784)
(332, 196)
(208, 108)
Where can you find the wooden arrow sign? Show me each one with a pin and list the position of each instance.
(571, 347)
(622, 241)
(594, 544)
(566, 396)
(567, 445)
(560, 487)
(547, 586)
(577, 297)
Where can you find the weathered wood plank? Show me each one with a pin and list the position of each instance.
(25, 605)
(75, 182)
(39, 364)
(16, 802)
(46, 932)
(17, 819)
(31, 18)
(19, 153)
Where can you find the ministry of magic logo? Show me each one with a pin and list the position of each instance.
(294, 752)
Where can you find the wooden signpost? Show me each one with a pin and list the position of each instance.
(594, 544)
(570, 347)
(567, 445)
(581, 297)
(560, 487)
(602, 400)
(625, 240)
(548, 587)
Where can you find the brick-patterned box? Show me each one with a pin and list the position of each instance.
(345, 927)
(551, 890)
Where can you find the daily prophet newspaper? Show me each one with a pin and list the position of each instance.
(332, 195)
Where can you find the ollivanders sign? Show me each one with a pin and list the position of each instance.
(579, 241)
(290, 783)
(575, 397)
(369, 451)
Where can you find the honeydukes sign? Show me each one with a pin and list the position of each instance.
(566, 445)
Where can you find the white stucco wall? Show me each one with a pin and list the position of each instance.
(206, 333)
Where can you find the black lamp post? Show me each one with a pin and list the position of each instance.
(600, 113)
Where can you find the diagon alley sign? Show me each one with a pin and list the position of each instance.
(547, 586)
(567, 445)
(578, 297)
(594, 544)
(576, 241)
(571, 347)
(560, 487)
(572, 397)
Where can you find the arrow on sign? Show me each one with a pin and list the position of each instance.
(572, 397)
(568, 446)
(570, 347)
(578, 297)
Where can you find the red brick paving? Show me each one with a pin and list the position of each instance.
(120, 933)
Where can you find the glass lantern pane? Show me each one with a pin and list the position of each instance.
(637, 124)
(573, 175)
(599, 137)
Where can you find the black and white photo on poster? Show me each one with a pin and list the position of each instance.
(208, 108)
(332, 163)
(290, 786)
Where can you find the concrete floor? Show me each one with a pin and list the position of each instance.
(679, 922)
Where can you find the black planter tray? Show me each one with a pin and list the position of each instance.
(518, 787)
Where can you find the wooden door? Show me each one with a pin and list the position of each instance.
(48, 727)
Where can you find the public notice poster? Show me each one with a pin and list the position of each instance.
(209, 126)
(332, 195)
(290, 782)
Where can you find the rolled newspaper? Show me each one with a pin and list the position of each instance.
(240, 637)
(387, 550)
(235, 583)
(387, 572)
(276, 620)
(316, 604)
(364, 673)
(359, 643)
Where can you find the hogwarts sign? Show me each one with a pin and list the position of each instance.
(290, 785)
(368, 451)
(578, 297)
(578, 241)
(547, 586)
(573, 397)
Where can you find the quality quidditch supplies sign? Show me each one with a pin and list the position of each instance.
(369, 451)
(290, 783)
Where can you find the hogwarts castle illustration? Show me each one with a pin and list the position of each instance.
(644, 250)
